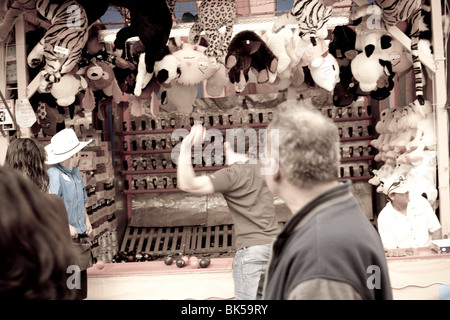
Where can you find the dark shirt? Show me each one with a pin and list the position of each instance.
(329, 238)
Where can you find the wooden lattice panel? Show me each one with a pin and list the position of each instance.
(179, 240)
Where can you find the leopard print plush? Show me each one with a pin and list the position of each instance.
(212, 15)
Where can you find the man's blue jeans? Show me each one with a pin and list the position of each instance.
(249, 265)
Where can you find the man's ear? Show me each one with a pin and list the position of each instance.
(272, 168)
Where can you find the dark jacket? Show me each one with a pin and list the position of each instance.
(330, 238)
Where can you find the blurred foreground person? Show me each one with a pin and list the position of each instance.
(36, 251)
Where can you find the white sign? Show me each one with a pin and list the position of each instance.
(25, 116)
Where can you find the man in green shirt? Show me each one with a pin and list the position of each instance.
(251, 206)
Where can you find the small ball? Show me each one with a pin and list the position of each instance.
(100, 265)
(168, 260)
(194, 262)
(180, 263)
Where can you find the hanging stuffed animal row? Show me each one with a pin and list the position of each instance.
(407, 146)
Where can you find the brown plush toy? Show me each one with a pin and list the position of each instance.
(247, 50)
(100, 76)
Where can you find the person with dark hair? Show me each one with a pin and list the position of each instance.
(36, 251)
(328, 249)
(249, 200)
(28, 156)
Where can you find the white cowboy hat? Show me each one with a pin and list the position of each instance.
(63, 145)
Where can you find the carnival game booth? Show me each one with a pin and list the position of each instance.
(356, 73)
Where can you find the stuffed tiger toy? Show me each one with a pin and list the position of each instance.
(62, 43)
(394, 11)
(310, 15)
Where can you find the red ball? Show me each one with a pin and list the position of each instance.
(186, 260)
(100, 265)
(194, 262)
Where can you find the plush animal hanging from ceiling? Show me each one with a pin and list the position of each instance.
(64, 40)
(212, 15)
(371, 65)
(323, 67)
(310, 15)
(10, 11)
(247, 50)
(326, 74)
(65, 91)
(193, 63)
(100, 77)
(151, 21)
(49, 118)
(342, 47)
(392, 12)
(195, 67)
(96, 49)
(137, 103)
(217, 82)
(282, 46)
(165, 70)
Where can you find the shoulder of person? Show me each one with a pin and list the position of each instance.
(385, 211)
(52, 169)
(420, 201)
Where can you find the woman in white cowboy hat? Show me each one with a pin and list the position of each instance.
(67, 182)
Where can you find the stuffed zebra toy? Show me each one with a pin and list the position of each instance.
(310, 15)
(393, 11)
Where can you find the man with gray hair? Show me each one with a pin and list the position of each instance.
(328, 249)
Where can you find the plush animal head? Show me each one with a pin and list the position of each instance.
(382, 125)
(100, 76)
(193, 64)
(326, 75)
(247, 50)
(372, 68)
